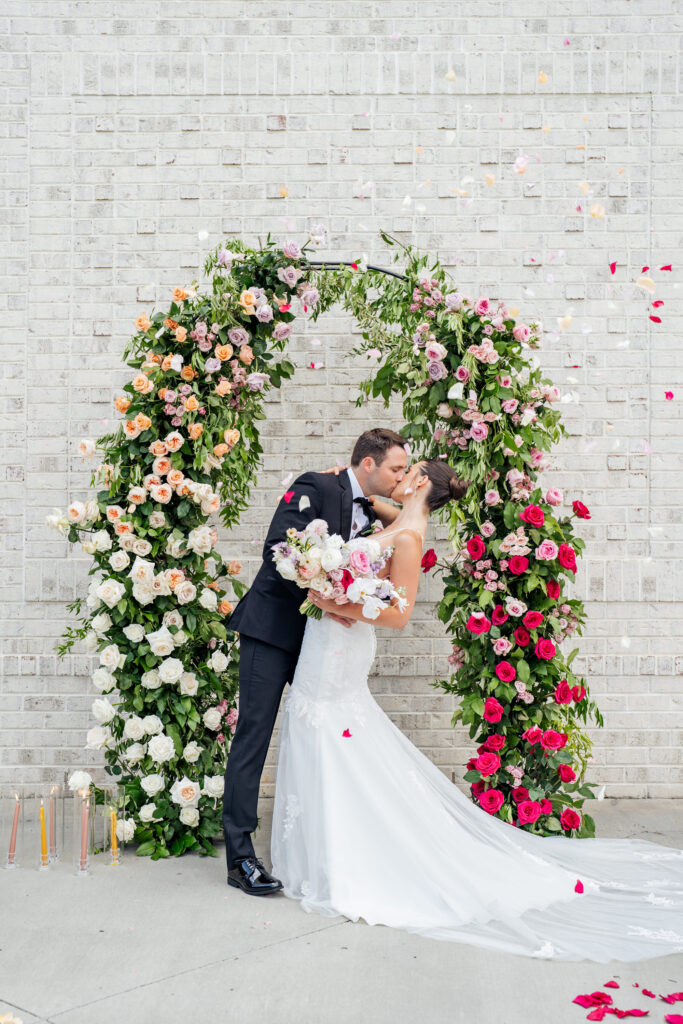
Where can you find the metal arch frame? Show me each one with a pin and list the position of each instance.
(348, 263)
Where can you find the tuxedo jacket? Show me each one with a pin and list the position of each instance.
(269, 611)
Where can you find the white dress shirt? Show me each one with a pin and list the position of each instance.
(359, 520)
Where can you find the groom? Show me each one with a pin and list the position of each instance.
(271, 630)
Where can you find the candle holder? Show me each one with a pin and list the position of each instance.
(82, 808)
(115, 812)
(12, 825)
(55, 828)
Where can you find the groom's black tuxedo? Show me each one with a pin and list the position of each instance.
(271, 630)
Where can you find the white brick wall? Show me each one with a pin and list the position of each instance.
(128, 127)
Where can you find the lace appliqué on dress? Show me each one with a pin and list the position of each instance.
(314, 710)
(659, 933)
(292, 812)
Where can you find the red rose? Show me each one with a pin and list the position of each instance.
(569, 819)
(546, 806)
(347, 579)
(499, 615)
(495, 742)
(492, 800)
(476, 547)
(567, 557)
(493, 710)
(551, 740)
(580, 510)
(471, 764)
(522, 636)
(533, 515)
(518, 564)
(578, 692)
(528, 811)
(532, 619)
(505, 671)
(566, 772)
(428, 560)
(532, 735)
(563, 693)
(487, 764)
(520, 793)
(545, 649)
(478, 623)
(553, 589)
(478, 787)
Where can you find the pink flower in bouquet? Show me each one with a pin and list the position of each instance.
(563, 693)
(462, 374)
(478, 623)
(435, 352)
(502, 646)
(282, 331)
(492, 497)
(532, 735)
(545, 649)
(509, 405)
(505, 671)
(482, 306)
(518, 564)
(532, 620)
(487, 528)
(546, 806)
(496, 741)
(567, 557)
(553, 496)
(499, 615)
(547, 550)
(291, 250)
(533, 515)
(476, 547)
(479, 431)
(520, 793)
(359, 562)
(566, 772)
(521, 332)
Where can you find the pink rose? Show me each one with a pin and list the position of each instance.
(532, 735)
(502, 645)
(487, 764)
(553, 496)
(547, 550)
(492, 498)
(482, 306)
(521, 332)
(509, 405)
(359, 562)
(567, 557)
(487, 528)
(569, 819)
(491, 800)
(493, 710)
(479, 431)
(545, 649)
(566, 772)
(435, 352)
(552, 740)
(505, 671)
(462, 374)
(478, 623)
(528, 811)
(533, 515)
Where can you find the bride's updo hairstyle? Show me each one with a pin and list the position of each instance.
(446, 484)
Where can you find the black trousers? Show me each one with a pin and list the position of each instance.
(264, 671)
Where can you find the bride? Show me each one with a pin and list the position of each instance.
(366, 826)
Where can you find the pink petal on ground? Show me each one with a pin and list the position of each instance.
(579, 886)
(597, 1014)
(611, 984)
(646, 992)
(667, 267)
(673, 1018)
(346, 733)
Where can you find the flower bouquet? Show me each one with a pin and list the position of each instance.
(341, 571)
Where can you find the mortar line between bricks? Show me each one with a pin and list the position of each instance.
(191, 970)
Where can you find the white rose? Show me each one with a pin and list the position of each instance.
(161, 748)
(90, 641)
(199, 540)
(127, 542)
(110, 592)
(286, 568)
(102, 710)
(86, 447)
(185, 592)
(92, 510)
(142, 570)
(330, 559)
(173, 618)
(134, 753)
(119, 561)
(212, 718)
(175, 547)
(171, 670)
(189, 816)
(110, 657)
(218, 661)
(160, 642)
(152, 784)
(134, 729)
(208, 599)
(98, 738)
(160, 585)
(147, 812)
(89, 547)
(125, 830)
(76, 512)
(213, 785)
(157, 520)
(192, 751)
(101, 623)
(102, 540)
(185, 792)
(143, 593)
(152, 725)
(373, 549)
(79, 780)
(189, 684)
(135, 632)
(141, 546)
(180, 638)
(103, 680)
(456, 391)
(150, 680)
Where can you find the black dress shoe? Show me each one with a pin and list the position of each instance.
(250, 876)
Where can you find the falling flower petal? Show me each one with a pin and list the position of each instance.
(202, 235)
(563, 322)
(647, 283)
(284, 191)
(304, 502)
(645, 446)
(542, 77)
(579, 886)
(450, 75)
(316, 366)
(667, 267)
(597, 211)
(286, 480)
(489, 179)
(659, 302)
(655, 319)
(626, 641)
(346, 733)
(374, 353)
(644, 269)
(669, 395)
(585, 187)
(287, 496)
(566, 41)
(520, 164)
(613, 266)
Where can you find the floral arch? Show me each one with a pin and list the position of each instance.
(188, 448)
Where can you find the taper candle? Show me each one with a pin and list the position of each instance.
(12, 852)
(53, 844)
(114, 839)
(43, 837)
(83, 864)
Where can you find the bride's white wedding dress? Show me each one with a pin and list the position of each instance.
(365, 825)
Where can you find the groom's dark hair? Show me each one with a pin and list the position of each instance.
(375, 443)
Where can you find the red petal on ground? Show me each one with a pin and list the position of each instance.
(586, 1001)
(646, 992)
(673, 1018)
(611, 984)
(639, 1013)
(346, 733)
(288, 495)
(579, 886)
(597, 1014)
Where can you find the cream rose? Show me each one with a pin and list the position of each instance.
(102, 711)
(152, 725)
(150, 680)
(102, 540)
(170, 670)
(79, 780)
(134, 753)
(172, 618)
(161, 748)
(134, 632)
(111, 657)
(192, 751)
(101, 623)
(103, 680)
(147, 812)
(142, 571)
(189, 684)
(189, 816)
(218, 661)
(125, 830)
(119, 561)
(199, 540)
(212, 718)
(185, 792)
(110, 592)
(160, 642)
(134, 729)
(141, 546)
(208, 599)
(98, 738)
(185, 592)
(152, 784)
(157, 519)
(213, 785)
(143, 593)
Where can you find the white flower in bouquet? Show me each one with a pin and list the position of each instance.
(134, 632)
(143, 593)
(175, 547)
(157, 520)
(90, 641)
(148, 813)
(185, 592)
(111, 657)
(362, 588)
(287, 569)
(180, 638)
(189, 684)
(102, 540)
(172, 618)
(171, 670)
(134, 729)
(76, 513)
(218, 661)
(160, 642)
(127, 542)
(101, 623)
(208, 599)
(310, 564)
(212, 718)
(331, 558)
(103, 680)
(316, 528)
(141, 546)
(151, 680)
(152, 784)
(98, 738)
(191, 752)
(323, 586)
(161, 748)
(79, 780)
(189, 816)
(213, 785)
(134, 753)
(160, 586)
(125, 830)
(372, 606)
(119, 561)
(152, 725)
(199, 540)
(142, 570)
(110, 592)
(57, 521)
(102, 711)
(185, 792)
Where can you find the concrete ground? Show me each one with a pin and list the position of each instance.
(169, 943)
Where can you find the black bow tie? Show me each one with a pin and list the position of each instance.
(366, 506)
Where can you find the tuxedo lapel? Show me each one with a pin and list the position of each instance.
(345, 504)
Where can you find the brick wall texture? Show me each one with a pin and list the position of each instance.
(138, 133)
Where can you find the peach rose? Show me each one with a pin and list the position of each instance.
(137, 495)
(211, 504)
(246, 355)
(220, 450)
(122, 404)
(153, 357)
(195, 430)
(142, 421)
(231, 436)
(247, 300)
(162, 465)
(170, 323)
(223, 352)
(131, 430)
(142, 384)
(161, 493)
(183, 488)
(121, 529)
(225, 608)
(191, 403)
(151, 479)
(143, 322)
(174, 441)
(187, 373)
(181, 333)
(114, 513)
(234, 568)
(175, 477)
(179, 294)
(174, 577)
(158, 447)
(213, 585)
(223, 387)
